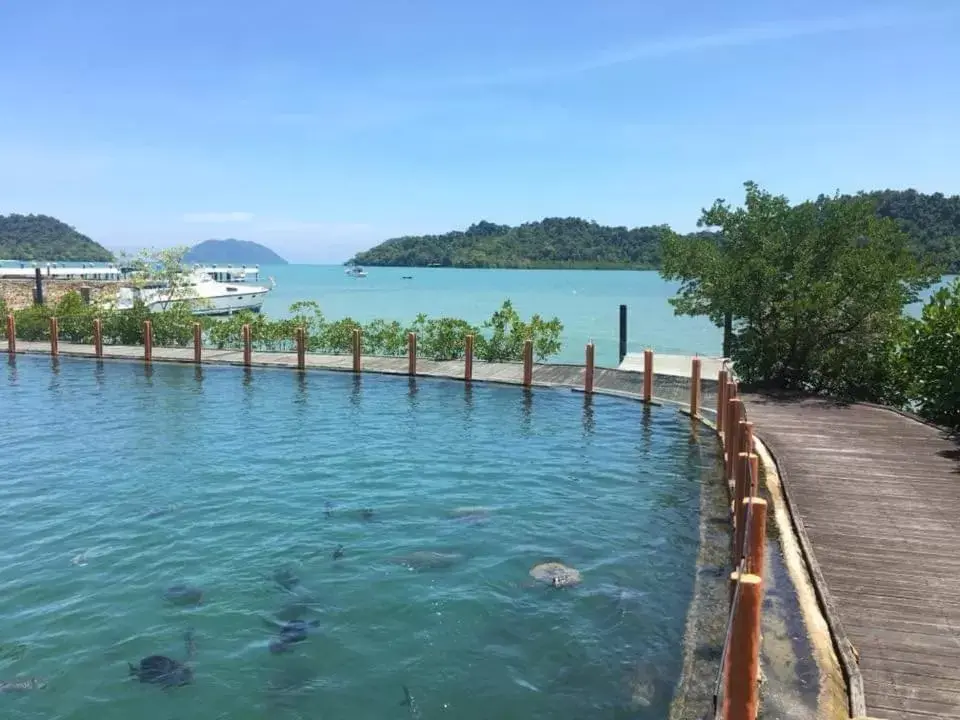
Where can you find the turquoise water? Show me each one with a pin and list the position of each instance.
(587, 301)
(121, 480)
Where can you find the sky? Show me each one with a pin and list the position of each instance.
(322, 128)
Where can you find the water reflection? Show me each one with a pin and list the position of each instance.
(99, 374)
(301, 395)
(589, 421)
(198, 377)
(412, 391)
(355, 394)
(646, 429)
(526, 410)
(147, 372)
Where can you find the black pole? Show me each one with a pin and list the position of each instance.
(38, 291)
(623, 332)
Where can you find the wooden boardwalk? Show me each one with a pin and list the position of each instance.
(877, 495)
(667, 387)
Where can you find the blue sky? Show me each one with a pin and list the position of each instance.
(320, 128)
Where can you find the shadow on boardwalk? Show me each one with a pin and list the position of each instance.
(876, 495)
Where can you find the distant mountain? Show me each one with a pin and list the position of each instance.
(45, 239)
(230, 251)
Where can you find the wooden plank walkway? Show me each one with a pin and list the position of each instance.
(877, 495)
(672, 388)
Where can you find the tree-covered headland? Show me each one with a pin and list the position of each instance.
(812, 298)
(932, 223)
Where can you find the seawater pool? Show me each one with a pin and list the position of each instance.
(120, 480)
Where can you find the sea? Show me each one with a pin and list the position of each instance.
(587, 302)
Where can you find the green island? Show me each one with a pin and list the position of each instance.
(932, 223)
(42, 238)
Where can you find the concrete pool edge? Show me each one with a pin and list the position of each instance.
(838, 691)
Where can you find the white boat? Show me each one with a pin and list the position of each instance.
(206, 295)
(356, 271)
(231, 273)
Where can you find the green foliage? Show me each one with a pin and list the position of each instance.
(499, 339)
(931, 221)
(437, 338)
(816, 291)
(552, 242)
(508, 333)
(931, 352)
(43, 238)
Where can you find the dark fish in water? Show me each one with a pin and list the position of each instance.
(183, 595)
(338, 553)
(161, 670)
(164, 671)
(292, 632)
(33, 683)
(327, 509)
(366, 514)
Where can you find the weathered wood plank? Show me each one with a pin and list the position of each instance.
(877, 495)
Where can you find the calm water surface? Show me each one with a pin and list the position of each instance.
(586, 301)
(119, 481)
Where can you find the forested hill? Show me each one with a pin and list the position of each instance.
(932, 221)
(43, 238)
(552, 242)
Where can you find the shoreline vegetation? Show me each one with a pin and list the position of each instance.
(811, 300)
(498, 339)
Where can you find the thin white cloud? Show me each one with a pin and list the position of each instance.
(218, 217)
(685, 45)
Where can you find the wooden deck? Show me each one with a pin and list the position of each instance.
(670, 388)
(877, 496)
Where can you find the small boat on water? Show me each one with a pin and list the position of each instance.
(355, 271)
(207, 295)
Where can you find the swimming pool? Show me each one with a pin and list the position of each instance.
(121, 480)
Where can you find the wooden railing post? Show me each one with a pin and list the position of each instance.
(247, 344)
(740, 483)
(98, 338)
(754, 480)
(357, 349)
(589, 369)
(740, 699)
(695, 387)
(731, 438)
(721, 398)
(746, 436)
(197, 343)
(301, 340)
(411, 353)
(468, 358)
(147, 341)
(753, 542)
(527, 363)
(11, 334)
(54, 336)
(647, 375)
